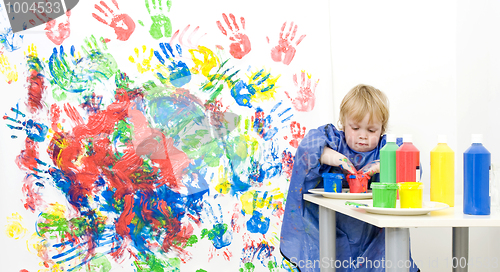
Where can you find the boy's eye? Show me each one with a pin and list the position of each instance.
(355, 128)
(372, 131)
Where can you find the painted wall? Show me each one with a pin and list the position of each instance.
(157, 135)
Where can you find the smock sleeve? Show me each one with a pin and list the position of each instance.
(299, 231)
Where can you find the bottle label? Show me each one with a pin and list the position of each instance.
(417, 177)
(490, 179)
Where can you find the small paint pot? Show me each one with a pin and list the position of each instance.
(410, 194)
(384, 194)
(332, 182)
(358, 183)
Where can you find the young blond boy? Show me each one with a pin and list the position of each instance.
(355, 148)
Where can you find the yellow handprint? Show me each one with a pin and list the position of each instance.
(5, 68)
(145, 64)
(204, 60)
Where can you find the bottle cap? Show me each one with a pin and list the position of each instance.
(390, 138)
(407, 138)
(477, 138)
(442, 139)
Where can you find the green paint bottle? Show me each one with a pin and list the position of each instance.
(388, 160)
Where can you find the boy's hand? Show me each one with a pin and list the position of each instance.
(346, 165)
(371, 168)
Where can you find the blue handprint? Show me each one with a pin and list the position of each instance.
(263, 124)
(261, 86)
(64, 72)
(219, 234)
(35, 131)
(177, 72)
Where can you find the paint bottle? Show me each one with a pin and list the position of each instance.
(477, 163)
(407, 161)
(388, 160)
(443, 173)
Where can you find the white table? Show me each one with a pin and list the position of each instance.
(397, 233)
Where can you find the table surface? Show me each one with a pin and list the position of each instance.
(449, 217)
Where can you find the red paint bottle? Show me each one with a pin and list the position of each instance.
(407, 161)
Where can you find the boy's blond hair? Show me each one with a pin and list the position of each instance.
(364, 99)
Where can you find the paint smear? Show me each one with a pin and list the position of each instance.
(14, 228)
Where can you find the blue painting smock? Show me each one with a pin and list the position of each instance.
(300, 229)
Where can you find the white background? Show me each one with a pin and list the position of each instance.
(439, 64)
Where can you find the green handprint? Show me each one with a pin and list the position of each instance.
(103, 64)
(161, 26)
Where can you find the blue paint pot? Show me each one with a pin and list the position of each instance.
(332, 182)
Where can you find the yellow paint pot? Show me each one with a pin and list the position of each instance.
(410, 194)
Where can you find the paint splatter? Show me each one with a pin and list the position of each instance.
(122, 23)
(36, 80)
(144, 170)
(14, 228)
(305, 97)
(9, 40)
(10, 72)
(240, 45)
(285, 50)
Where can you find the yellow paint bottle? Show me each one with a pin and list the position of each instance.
(443, 173)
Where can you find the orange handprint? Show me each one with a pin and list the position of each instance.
(122, 23)
(285, 46)
(305, 96)
(241, 44)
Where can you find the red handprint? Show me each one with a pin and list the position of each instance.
(241, 44)
(305, 96)
(188, 43)
(122, 23)
(285, 46)
(298, 134)
(57, 33)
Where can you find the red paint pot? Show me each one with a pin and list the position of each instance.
(358, 183)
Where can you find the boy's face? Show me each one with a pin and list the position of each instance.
(362, 136)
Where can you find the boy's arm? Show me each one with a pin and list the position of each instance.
(334, 158)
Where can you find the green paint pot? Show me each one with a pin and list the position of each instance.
(384, 194)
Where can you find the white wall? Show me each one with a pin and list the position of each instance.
(439, 64)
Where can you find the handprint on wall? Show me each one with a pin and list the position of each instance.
(7, 70)
(56, 32)
(297, 133)
(285, 50)
(261, 86)
(240, 45)
(176, 72)
(122, 23)
(161, 26)
(305, 97)
(188, 43)
(142, 58)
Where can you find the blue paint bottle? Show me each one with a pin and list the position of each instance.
(477, 161)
